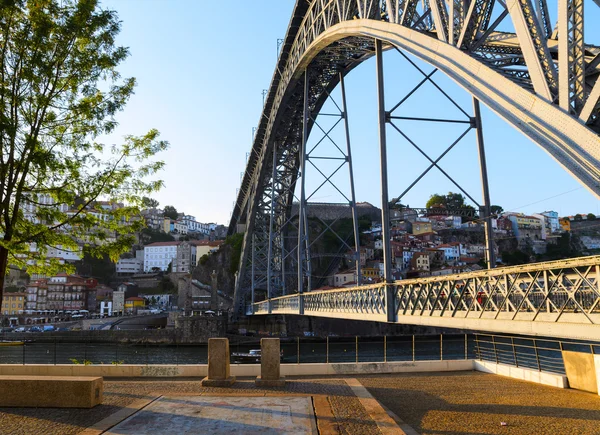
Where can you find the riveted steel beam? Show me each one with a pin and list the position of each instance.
(544, 17)
(571, 55)
(535, 48)
(440, 18)
(477, 18)
(591, 110)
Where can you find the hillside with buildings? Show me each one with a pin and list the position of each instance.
(177, 260)
(170, 246)
(424, 243)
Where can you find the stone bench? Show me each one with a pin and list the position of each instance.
(50, 391)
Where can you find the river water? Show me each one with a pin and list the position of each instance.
(303, 350)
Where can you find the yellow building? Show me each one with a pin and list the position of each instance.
(205, 247)
(370, 272)
(528, 222)
(134, 303)
(421, 228)
(13, 303)
(166, 226)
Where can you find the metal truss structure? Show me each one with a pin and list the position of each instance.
(557, 299)
(543, 80)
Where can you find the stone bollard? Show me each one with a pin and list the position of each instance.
(270, 364)
(218, 364)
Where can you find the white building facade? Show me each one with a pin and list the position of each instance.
(118, 301)
(130, 266)
(159, 255)
(552, 218)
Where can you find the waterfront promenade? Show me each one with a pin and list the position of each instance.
(452, 403)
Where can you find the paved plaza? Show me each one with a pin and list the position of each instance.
(454, 403)
(226, 415)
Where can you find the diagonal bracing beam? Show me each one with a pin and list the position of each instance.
(535, 48)
(571, 56)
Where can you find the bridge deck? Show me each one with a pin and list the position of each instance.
(556, 298)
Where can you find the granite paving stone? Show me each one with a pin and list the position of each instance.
(118, 393)
(460, 403)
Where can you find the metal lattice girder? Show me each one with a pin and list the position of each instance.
(440, 18)
(571, 55)
(409, 13)
(544, 17)
(501, 69)
(557, 298)
(477, 18)
(342, 159)
(535, 48)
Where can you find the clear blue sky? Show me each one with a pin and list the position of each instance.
(201, 67)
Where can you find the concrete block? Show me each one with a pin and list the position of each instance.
(206, 382)
(270, 364)
(261, 382)
(50, 391)
(522, 373)
(581, 371)
(597, 366)
(218, 364)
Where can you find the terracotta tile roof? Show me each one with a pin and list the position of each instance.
(206, 242)
(164, 244)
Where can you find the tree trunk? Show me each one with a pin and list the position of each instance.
(3, 266)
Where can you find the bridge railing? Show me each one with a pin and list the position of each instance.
(564, 291)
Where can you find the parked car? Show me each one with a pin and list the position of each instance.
(35, 329)
(48, 328)
(20, 329)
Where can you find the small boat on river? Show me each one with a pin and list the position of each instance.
(12, 343)
(252, 357)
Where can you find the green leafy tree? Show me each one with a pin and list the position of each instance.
(566, 246)
(102, 268)
(455, 200)
(149, 235)
(513, 258)
(451, 200)
(170, 212)
(166, 285)
(59, 92)
(578, 217)
(496, 209)
(591, 217)
(436, 201)
(149, 202)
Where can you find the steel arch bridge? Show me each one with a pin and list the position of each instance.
(542, 79)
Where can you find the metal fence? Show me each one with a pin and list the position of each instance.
(295, 350)
(535, 353)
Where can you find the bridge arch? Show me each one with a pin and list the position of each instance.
(573, 145)
(328, 43)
